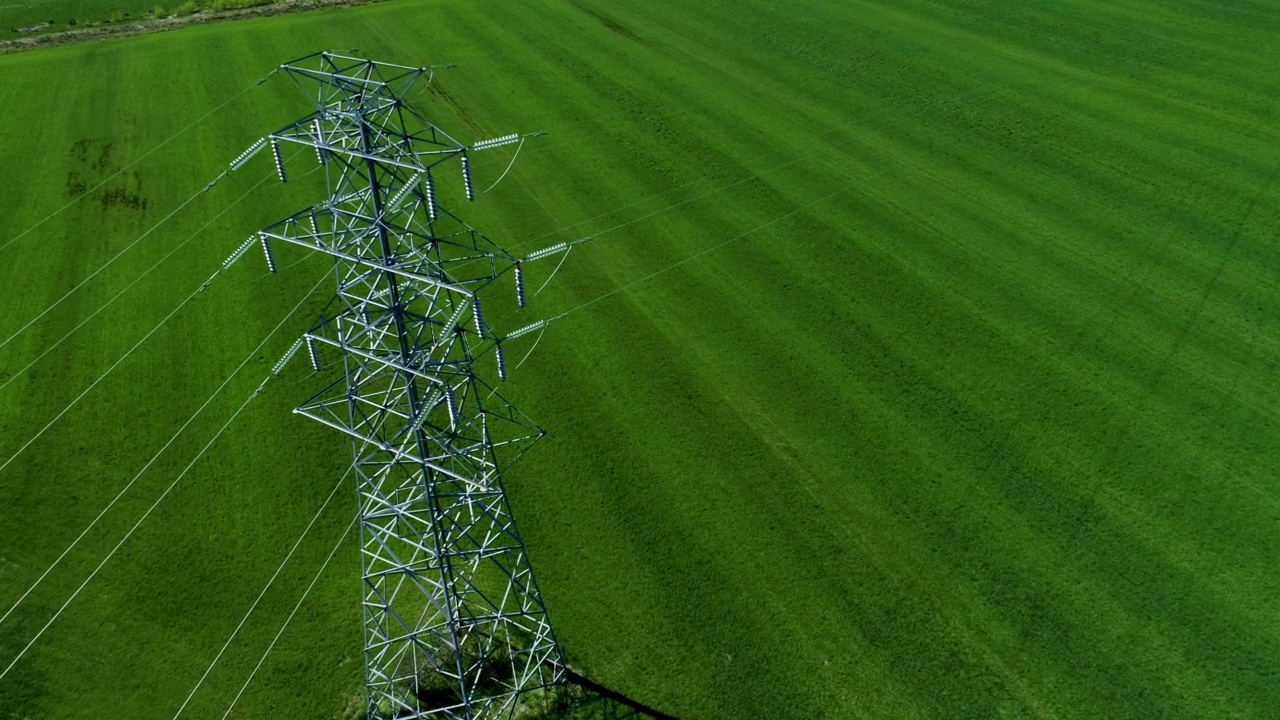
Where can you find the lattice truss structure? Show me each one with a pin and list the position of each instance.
(455, 626)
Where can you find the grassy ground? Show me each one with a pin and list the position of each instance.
(951, 396)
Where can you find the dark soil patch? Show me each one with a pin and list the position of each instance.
(610, 23)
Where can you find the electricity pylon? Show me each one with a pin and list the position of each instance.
(455, 626)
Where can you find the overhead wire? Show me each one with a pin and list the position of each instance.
(882, 171)
(148, 464)
(510, 165)
(299, 261)
(795, 159)
(792, 161)
(560, 264)
(704, 251)
(196, 194)
(158, 500)
(623, 288)
(130, 286)
(103, 376)
(645, 217)
(104, 266)
(536, 340)
(301, 600)
(526, 356)
(263, 658)
(263, 593)
(137, 160)
(113, 366)
(892, 165)
(81, 283)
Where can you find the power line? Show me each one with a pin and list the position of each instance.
(101, 377)
(130, 286)
(342, 538)
(146, 514)
(113, 366)
(137, 160)
(722, 188)
(265, 588)
(104, 266)
(109, 262)
(884, 170)
(118, 255)
(700, 253)
(156, 456)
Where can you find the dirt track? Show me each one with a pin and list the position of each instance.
(170, 23)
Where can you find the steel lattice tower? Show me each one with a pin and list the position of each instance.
(455, 626)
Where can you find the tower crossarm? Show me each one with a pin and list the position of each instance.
(380, 265)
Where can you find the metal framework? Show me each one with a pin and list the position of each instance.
(455, 626)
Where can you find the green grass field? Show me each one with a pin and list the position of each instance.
(923, 364)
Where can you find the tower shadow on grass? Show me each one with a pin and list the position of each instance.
(581, 698)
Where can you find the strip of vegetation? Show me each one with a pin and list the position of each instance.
(190, 12)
